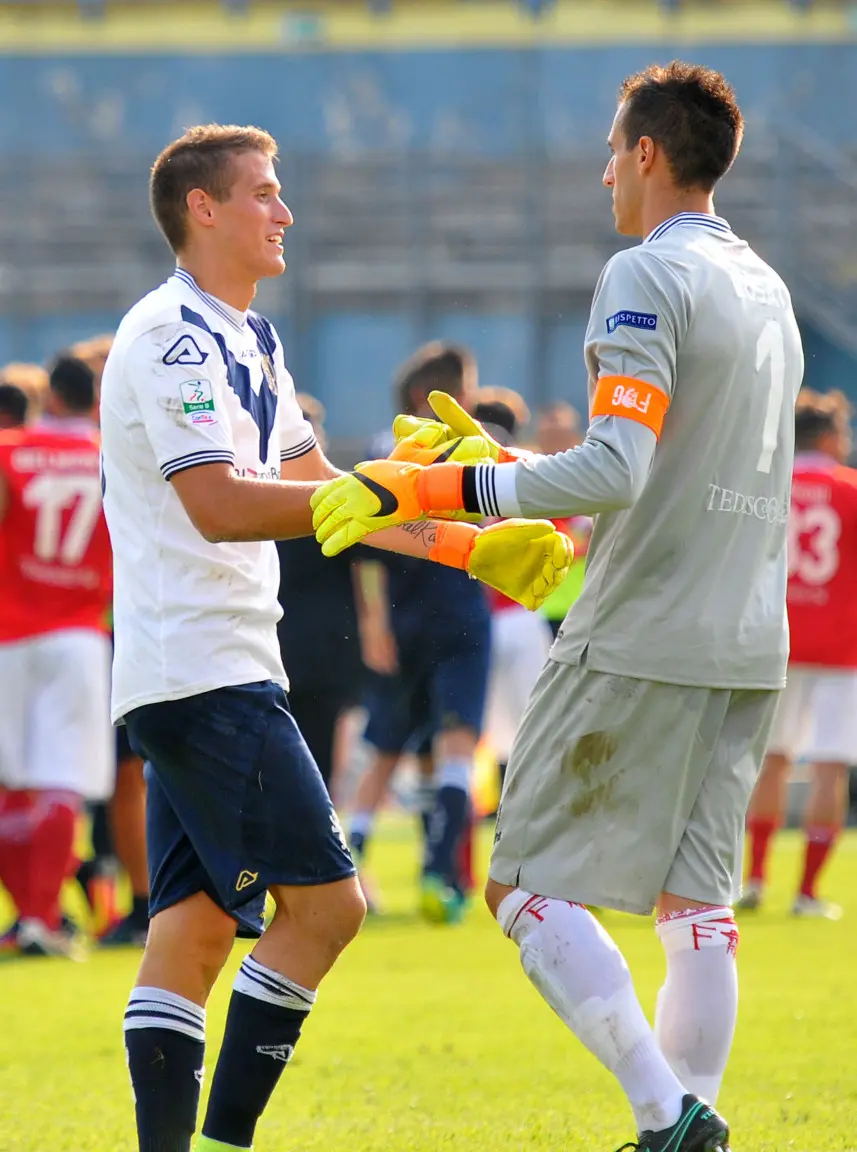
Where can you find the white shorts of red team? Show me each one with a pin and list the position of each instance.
(816, 717)
(520, 643)
(55, 730)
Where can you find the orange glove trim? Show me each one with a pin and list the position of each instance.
(454, 543)
(440, 488)
(512, 455)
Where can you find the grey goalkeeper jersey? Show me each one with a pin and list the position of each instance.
(686, 570)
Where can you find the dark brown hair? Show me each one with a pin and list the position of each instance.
(437, 366)
(691, 112)
(201, 158)
(818, 414)
(72, 381)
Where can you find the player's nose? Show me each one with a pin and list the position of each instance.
(283, 215)
(608, 179)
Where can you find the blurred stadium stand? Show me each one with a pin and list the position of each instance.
(437, 192)
(535, 6)
(410, 240)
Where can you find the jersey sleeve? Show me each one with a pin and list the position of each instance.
(296, 433)
(175, 374)
(638, 320)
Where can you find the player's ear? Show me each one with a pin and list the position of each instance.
(200, 207)
(645, 153)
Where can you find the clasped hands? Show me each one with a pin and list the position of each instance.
(422, 479)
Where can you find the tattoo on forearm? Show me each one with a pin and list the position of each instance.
(424, 530)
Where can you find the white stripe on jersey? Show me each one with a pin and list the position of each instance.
(299, 449)
(193, 459)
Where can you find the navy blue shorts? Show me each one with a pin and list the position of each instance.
(399, 711)
(124, 751)
(440, 685)
(235, 802)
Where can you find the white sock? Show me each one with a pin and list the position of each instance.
(583, 976)
(456, 772)
(698, 1004)
(361, 823)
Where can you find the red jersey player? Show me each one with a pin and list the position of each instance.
(817, 714)
(56, 744)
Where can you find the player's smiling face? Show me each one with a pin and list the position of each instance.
(623, 178)
(251, 224)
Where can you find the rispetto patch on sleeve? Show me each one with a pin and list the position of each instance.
(645, 320)
(632, 399)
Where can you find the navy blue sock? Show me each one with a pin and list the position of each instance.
(140, 912)
(359, 834)
(448, 820)
(425, 797)
(165, 1042)
(265, 1017)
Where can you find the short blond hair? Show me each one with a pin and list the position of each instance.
(200, 158)
(94, 352)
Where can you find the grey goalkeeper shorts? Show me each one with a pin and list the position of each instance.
(618, 789)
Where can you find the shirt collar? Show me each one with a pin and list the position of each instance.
(696, 219)
(233, 316)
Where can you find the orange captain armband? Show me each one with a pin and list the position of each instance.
(633, 399)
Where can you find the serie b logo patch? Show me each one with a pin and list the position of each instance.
(198, 402)
(245, 879)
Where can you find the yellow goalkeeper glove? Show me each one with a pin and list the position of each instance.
(524, 559)
(455, 432)
(381, 494)
(430, 443)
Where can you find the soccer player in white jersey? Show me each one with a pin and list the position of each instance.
(199, 424)
(631, 772)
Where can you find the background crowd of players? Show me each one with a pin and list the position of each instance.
(429, 667)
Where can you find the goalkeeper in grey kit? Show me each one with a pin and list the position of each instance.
(631, 772)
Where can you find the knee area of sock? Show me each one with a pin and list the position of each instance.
(698, 929)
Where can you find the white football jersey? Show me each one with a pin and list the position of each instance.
(191, 381)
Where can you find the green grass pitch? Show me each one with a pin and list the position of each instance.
(429, 1038)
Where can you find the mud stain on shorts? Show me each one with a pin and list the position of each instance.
(589, 753)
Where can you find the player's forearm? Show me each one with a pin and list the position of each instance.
(246, 510)
(416, 539)
(371, 599)
(607, 472)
